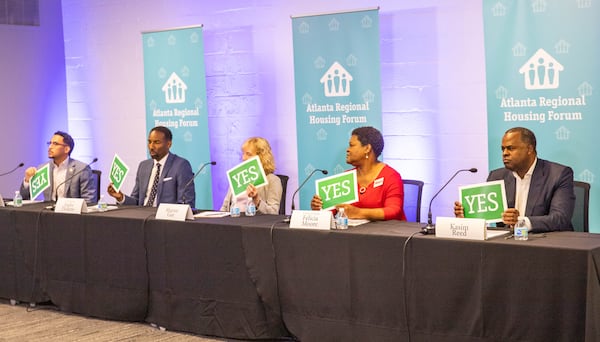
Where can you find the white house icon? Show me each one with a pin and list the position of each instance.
(336, 81)
(174, 89)
(541, 71)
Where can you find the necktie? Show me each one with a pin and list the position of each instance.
(154, 186)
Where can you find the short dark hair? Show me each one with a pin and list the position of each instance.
(67, 140)
(370, 135)
(164, 130)
(527, 136)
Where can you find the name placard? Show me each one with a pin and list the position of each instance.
(460, 228)
(312, 219)
(70, 205)
(174, 212)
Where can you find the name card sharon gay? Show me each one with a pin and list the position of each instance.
(174, 212)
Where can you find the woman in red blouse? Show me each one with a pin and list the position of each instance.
(380, 187)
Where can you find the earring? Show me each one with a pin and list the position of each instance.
(366, 155)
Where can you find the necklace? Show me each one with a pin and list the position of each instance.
(368, 179)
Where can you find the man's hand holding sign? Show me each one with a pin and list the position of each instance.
(118, 172)
(484, 200)
(39, 182)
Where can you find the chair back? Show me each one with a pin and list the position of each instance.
(582, 203)
(284, 180)
(96, 174)
(413, 190)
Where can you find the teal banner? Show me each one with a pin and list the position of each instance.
(175, 87)
(542, 64)
(337, 84)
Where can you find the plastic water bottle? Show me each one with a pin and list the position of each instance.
(521, 232)
(341, 221)
(250, 208)
(102, 205)
(234, 209)
(18, 200)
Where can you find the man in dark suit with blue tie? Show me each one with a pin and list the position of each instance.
(161, 179)
(537, 190)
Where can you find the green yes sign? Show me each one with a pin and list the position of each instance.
(338, 189)
(39, 182)
(484, 200)
(245, 173)
(118, 171)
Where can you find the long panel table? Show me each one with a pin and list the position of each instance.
(255, 278)
(125, 265)
(349, 286)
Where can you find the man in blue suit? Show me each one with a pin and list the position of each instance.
(537, 190)
(68, 177)
(163, 178)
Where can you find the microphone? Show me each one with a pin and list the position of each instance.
(183, 199)
(430, 227)
(287, 219)
(73, 175)
(13, 170)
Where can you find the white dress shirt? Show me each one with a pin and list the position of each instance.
(522, 192)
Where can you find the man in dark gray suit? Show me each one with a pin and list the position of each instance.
(68, 177)
(537, 190)
(161, 179)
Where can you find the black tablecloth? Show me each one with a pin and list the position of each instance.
(349, 286)
(342, 285)
(200, 282)
(255, 278)
(126, 265)
(95, 264)
(18, 253)
(534, 290)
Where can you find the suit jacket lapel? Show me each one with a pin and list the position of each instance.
(146, 172)
(510, 185)
(48, 192)
(163, 173)
(536, 186)
(70, 172)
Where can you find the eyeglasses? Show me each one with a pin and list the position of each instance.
(54, 144)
